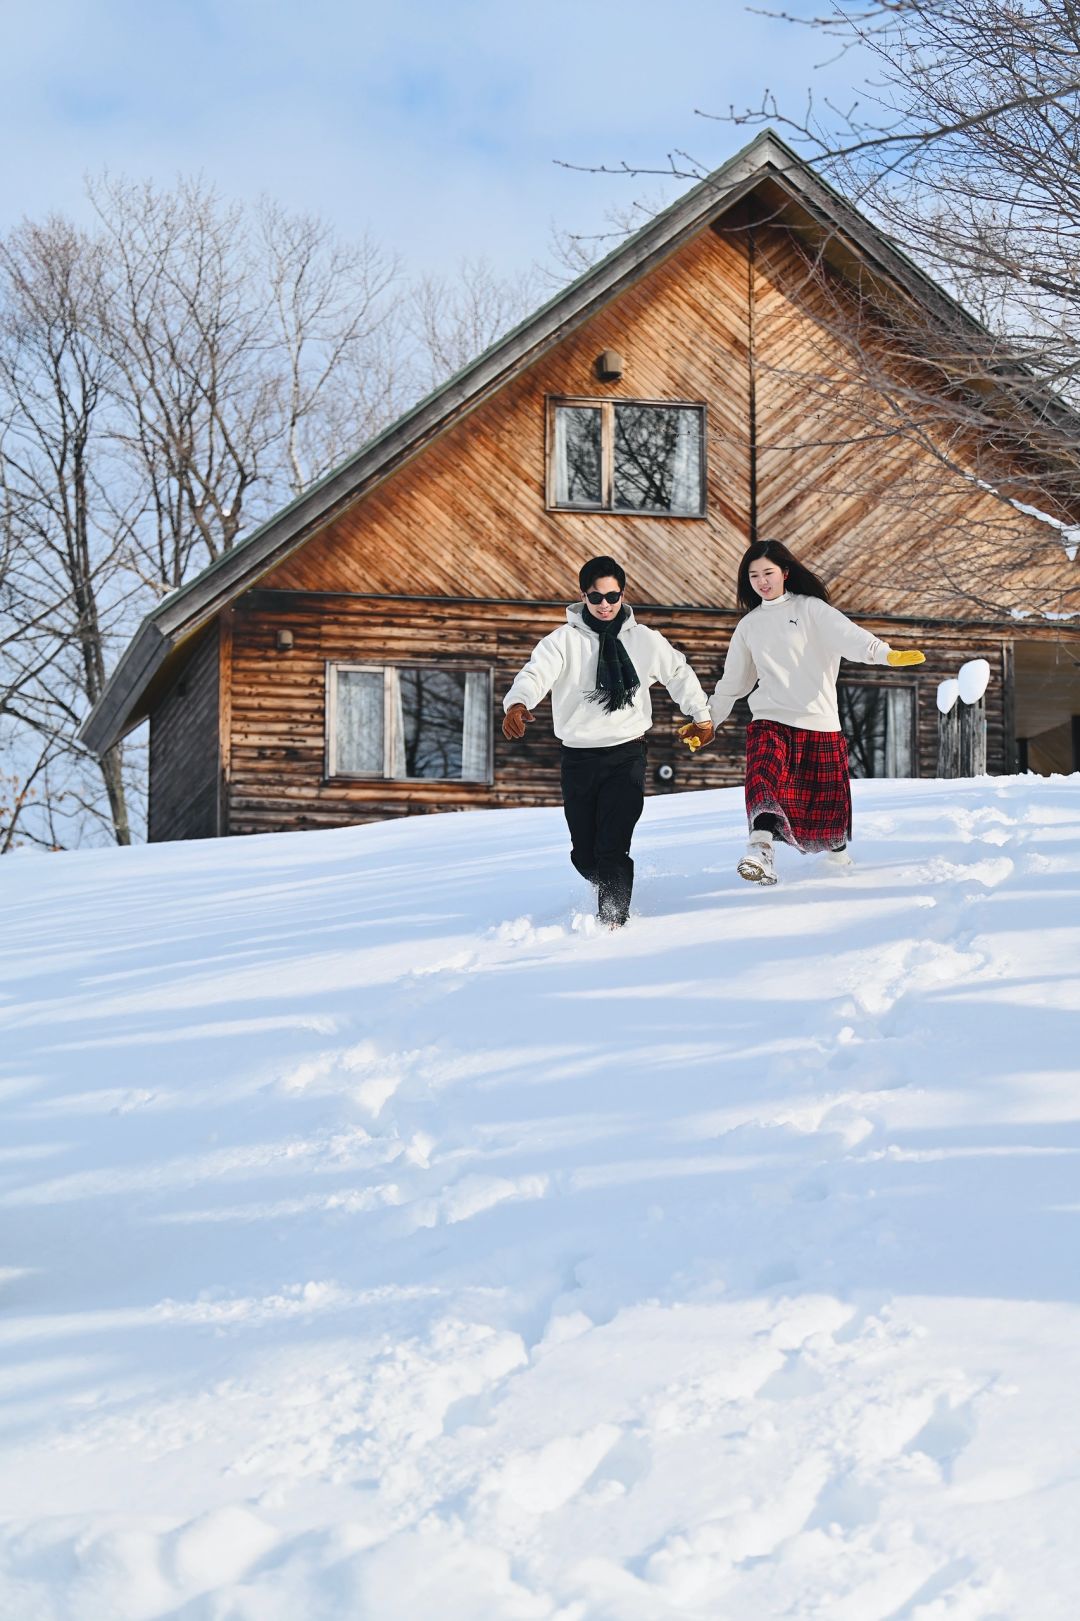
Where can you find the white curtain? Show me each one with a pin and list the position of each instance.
(899, 732)
(562, 463)
(358, 713)
(686, 463)
(577, 455)
(476, 727)
(397, 726)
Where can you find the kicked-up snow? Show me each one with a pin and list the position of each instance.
(379, 1241)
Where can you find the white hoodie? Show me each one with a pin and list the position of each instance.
(564, 664)
(789, 650)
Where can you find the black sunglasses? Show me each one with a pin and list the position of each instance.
(597, 597)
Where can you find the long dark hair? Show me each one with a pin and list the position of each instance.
(799, 579)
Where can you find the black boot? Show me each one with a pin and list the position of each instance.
(613, 902)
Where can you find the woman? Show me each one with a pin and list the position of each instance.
(786, 653)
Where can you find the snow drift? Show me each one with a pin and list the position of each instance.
(381, 1241)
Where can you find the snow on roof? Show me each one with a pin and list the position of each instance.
(1070, 533)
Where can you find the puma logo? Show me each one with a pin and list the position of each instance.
(794, 622)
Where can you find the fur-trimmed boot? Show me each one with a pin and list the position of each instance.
(756, 865)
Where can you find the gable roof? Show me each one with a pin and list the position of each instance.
(765, 165)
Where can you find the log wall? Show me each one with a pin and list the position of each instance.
(277, 742)
(278, 725)
(184, 750)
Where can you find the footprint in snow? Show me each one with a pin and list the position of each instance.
(529, 1484)
(989, 872)
(986, 825)
(946, 1434)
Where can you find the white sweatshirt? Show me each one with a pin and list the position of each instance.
(786, 655)
(564, 664)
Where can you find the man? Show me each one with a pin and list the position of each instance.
(598, 668)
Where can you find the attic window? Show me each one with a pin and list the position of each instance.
(408, 722)
(626, 456)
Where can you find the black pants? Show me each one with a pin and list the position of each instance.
(603, 795)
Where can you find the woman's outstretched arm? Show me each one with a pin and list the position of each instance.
(739, 677)
(842, 635)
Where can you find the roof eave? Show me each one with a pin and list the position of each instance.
(111, 717)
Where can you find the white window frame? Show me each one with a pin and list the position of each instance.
(388, 673)
(607, 457)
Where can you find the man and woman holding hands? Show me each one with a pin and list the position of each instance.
(785, 655)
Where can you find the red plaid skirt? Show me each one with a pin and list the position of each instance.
(802, 779)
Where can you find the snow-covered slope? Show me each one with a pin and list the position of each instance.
(379, 1241)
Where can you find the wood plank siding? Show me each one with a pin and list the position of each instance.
(278, 704)
(466, 517)
(865, 468)
(804, 444)
(184, 750)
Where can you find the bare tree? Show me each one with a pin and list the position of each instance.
(334, 326)
(195, 388)
(966, 154)
(574, 252)
(965, 149)
(453, 321)
(167, 380)
(64, 595)
(235, 339)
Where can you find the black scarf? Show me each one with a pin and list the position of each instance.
(616, 679)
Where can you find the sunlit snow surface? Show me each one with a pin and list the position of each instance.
(380, 1241)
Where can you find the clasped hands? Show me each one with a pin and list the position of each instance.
(697, 734)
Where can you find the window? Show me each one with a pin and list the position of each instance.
(626, 456)
(408, 722)
(879, 724)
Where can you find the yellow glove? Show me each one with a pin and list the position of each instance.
(906, 655)
(696, 734)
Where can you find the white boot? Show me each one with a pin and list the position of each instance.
(756, 865)
(839, 861)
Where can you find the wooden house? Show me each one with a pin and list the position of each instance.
(741, 368)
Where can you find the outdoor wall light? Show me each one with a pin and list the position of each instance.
(609, 366)
(284, 641)
(665, 774)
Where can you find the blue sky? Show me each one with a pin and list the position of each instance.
(435, 126)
